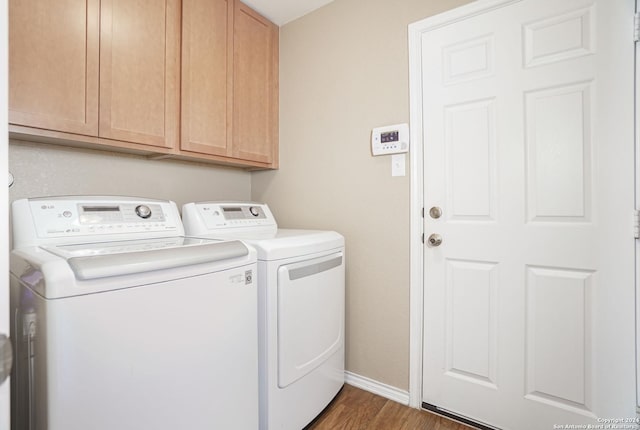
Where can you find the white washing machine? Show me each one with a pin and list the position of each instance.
(301, 308)
(120, 322)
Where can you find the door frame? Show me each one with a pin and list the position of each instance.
(637, 202)
(416, 298)
(4, 198)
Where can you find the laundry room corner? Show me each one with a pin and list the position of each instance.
(344, 71)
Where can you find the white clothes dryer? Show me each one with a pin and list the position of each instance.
(301, 281)
(120, 322)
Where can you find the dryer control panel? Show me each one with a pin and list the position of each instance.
(210, 217)
(64, 218)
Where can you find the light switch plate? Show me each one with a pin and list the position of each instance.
(398, 162)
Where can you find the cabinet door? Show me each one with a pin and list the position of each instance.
(139, 71)
(206, 68)
(255, 86)
(53, 64)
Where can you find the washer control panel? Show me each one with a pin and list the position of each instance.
(62, 217)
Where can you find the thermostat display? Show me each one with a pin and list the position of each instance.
(391, 139)
(389, 136)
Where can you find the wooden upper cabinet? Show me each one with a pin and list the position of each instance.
(139, 71)
(255, 86)
(194, 79)
(229, 81)
(207, 29)
(53, 64)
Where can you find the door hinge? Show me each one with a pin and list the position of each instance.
(422, 237)
(636, 224)
(636, 27)
(422, 212)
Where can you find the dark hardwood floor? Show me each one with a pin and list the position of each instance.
(356, 409)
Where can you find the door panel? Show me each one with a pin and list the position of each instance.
(558, 159)
(471, 147)
(528, 132)
(471, 329)
(558, 336)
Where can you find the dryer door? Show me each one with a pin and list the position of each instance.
(310, 315)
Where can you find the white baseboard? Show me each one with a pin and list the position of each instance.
(375, 387)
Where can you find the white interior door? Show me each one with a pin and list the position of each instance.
(4, 206)
(528, 151)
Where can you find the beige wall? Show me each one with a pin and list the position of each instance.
(343, 71)
(47, 170)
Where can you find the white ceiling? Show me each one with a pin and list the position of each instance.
(283, 11)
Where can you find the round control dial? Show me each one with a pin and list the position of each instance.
(254, 211)
(143, 211)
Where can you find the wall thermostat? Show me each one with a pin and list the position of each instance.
(391, 139)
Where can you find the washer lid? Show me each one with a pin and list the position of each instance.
(122, 246)
(87, 269)
(107, 259)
